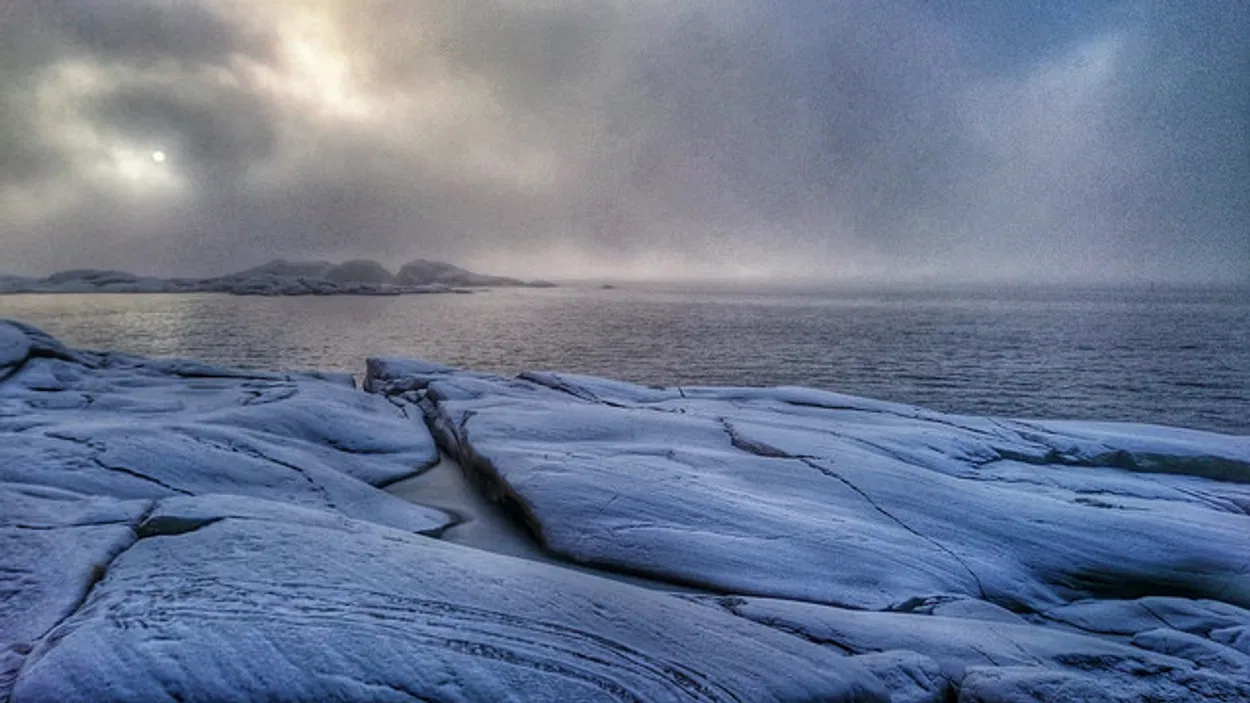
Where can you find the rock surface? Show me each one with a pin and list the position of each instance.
(175, 531)
(221, 605)
(88, 442)
(424, 272)
(991, 660)
(814, 496)
(126, 427)
(955, 529)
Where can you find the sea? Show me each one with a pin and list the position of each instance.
(1162, 355)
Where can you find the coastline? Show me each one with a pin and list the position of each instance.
(212, 526)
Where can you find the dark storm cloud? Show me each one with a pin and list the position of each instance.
(814, 107)
(125, 41)
(217, 131)
(528, 54)
(21, 160)
(148, 30)
(902, 138)
(1191, 111)
(22, 156)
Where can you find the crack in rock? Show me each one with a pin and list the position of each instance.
(768, 451)
(569, 389)
(141, 476)
(98, 572)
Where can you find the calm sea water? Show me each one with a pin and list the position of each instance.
(1178, 357)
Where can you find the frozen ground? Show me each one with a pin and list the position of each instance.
(822, 505)
(174, 531)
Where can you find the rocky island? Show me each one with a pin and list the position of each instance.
(176, 531)
(279, 277)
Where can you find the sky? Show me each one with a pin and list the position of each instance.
(822, 140)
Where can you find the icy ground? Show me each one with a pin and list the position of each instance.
(171, 531)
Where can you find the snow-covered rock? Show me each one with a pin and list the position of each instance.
(91, 281)
(1125, 620)
(53, 547)
(814, 496)
(279, 277)
(281, 268)
(908, 676)
(170, 530)
(122, 426)
(996, 661)
(989, 559)
(359, 271)
(89, 441)
(213, 603)
(423, 272)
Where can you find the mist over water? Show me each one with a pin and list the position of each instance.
(885, 140)
(1175, 356)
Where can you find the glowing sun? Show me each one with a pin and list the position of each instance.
(158, 156)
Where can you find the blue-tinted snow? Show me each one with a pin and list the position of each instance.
(814, 496)
(175, 531)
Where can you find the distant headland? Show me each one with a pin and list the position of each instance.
(278, 277)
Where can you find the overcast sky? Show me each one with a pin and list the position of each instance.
(863, 139)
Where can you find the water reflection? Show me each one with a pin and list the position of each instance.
(1178, 358)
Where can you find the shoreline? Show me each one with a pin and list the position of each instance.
(183, 530)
